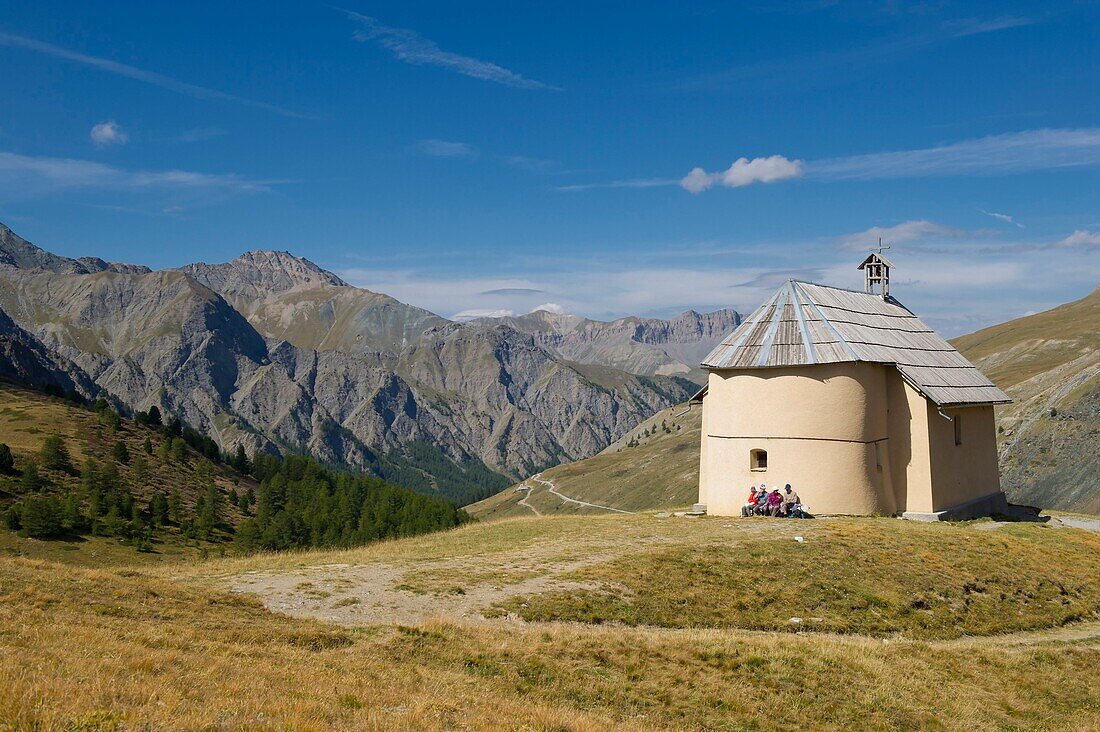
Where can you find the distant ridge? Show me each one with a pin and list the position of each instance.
(271, 352)
(646, 346)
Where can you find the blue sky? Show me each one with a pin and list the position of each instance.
(484, 157)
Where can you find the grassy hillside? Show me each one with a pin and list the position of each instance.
(653, 467)
(80, 474)
(119, 648)
(1049, 363)
(135, 472)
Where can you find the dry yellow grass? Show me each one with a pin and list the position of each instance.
(95, 649)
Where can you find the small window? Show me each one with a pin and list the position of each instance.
(957, 421)
(758, 459)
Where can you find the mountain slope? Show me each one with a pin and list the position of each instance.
(292, 299)
(646, 346)
(24, 359)
(1049, 363)
(388, 388)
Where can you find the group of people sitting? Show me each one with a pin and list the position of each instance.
(761, 502)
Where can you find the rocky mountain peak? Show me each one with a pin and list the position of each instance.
(265, 271)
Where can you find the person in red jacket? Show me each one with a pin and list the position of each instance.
(750, 505)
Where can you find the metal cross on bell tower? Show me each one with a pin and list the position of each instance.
(876, 271)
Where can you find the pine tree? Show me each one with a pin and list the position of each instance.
(241, 462)
(148, 446)
(7, 462)
(158, 509)
(40, 516)
(121, 453)
(179, 449)
(55, 455)
(153, 416)
(139, 470)
(175, 507)
(30, 480)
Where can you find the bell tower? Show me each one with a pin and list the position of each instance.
(876, 272)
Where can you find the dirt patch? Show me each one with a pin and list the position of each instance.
(390, 594)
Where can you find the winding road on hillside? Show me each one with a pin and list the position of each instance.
(523, 502)
(553, 489)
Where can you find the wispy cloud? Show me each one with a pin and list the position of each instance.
(446, 149)
(64, 173)
(510, 291)
(977, 26)
(412, 48)
(108, 133)
(799, 69)
(537, 165)
(1003, 217)
(743, 172)
(907, 231)
(132, 72)
(627, 183)
(956, 289)
(199, 134)
(1016, 152)
(1081, 239)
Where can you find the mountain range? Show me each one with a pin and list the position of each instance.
(1049, 436)
(271, 352)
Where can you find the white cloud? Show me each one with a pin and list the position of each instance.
(1003, 217)
(24, 172)
(412, 48)
(906, 231)
(956, 290)
(1081, 238)
(1017, 152)
(446, 149)
(131, 72)
(109, 133)
(475, 313)
(743, 172)
(550, 307)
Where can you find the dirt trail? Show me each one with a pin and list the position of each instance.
(523, 502)
(553, 489)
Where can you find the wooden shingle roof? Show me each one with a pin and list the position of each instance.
(804, 323)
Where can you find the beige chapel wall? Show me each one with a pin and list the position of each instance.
(963, 473)
(824, 427)
(910, 459)
(842, 401)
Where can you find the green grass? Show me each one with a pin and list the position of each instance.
(660, 473)
(872, 576)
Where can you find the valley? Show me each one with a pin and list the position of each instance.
(271, 353)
